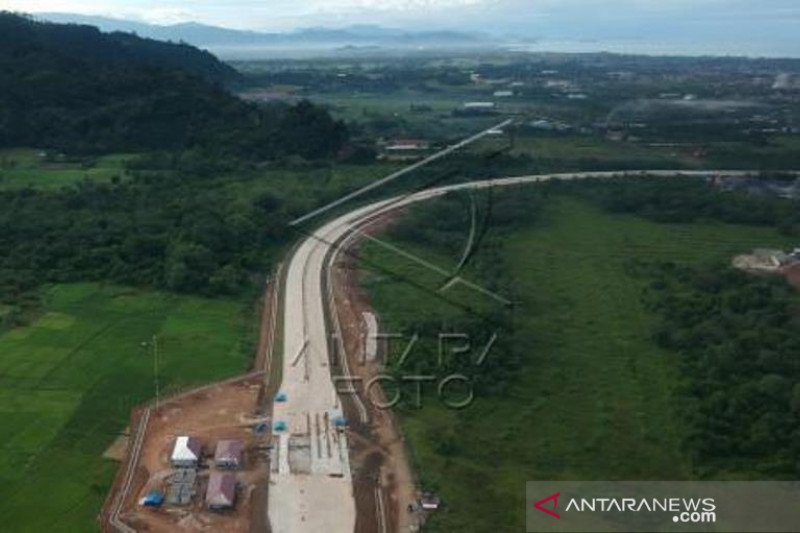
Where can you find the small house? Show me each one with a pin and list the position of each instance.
(405, 149)
(430, 502)
(404, 145)
(186, 453)
(229, 454)
(480, 105)
(221, 492)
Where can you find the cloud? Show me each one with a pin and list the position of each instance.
(164, 15)
(488, 15)
(396, 5)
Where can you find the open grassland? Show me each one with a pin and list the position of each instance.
(30, 168)
(601, 150)
(594, 395)
(69, 380)
(307, 188)
(424, 114)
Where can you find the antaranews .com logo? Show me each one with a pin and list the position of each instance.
(628, 507)
(685, 510)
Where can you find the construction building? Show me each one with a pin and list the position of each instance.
(181, 486)
(228, 454)
(186, 453)
(221, 492)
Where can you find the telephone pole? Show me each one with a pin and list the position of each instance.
(155, 367)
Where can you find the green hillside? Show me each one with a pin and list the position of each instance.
(76, 89)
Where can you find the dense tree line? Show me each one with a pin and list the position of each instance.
(57, 42)
(76, 89)
(689, 199)
(738, 337)
(173, 230)
(444, 226)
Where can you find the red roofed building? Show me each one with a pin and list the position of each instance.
(408, 144)
(229, 454)
(221, 492)
(405, 150)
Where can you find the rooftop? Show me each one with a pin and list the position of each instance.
(186, 449)
(221, 490)
(229, 451)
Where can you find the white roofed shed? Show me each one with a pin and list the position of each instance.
(187, 452)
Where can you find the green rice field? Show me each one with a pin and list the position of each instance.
(70, 378)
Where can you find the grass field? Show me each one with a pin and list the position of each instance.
(69, 380)
(436, 121)
(25, 167)
(598, 148)
(594, 396)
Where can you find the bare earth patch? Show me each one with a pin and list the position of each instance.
(223, 411)
(378, 451)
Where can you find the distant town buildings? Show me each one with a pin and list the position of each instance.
(786, 81)
(550, 125)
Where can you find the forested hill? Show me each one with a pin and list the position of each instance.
(23, 34)
(77, 89)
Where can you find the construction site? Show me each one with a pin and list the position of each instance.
(199, 460)
(169, 490)
(768, 261)
(260, 452)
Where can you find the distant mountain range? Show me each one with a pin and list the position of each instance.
(205, 36)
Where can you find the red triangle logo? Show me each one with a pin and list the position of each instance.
(540, 505)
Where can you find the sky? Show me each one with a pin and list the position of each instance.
(744, 21)
(287, 14)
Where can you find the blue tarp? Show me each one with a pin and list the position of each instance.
(280, 426)
(281, 397)
(340, 421)
(153, 499)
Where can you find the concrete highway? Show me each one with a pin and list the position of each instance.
(311, 485)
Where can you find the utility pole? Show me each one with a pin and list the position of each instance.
(155, 367)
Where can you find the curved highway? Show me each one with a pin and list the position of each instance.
(311, 485)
